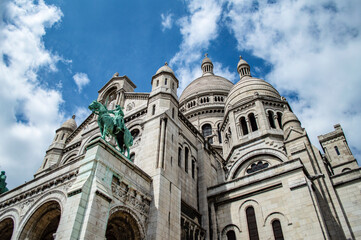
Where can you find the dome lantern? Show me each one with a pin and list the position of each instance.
(207, 66)
(243, 68)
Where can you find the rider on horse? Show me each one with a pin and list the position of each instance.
(118, 119)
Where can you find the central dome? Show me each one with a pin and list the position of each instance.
(248, 87)
(206, 84)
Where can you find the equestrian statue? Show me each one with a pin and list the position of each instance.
(113, 125)
(3, 183)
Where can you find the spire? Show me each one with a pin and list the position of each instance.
(207, 66)
(243, 68)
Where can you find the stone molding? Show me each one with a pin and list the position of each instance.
(64, 179)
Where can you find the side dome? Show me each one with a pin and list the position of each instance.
(70, 124)
(206, 84)
(247, 88)
(165, 68)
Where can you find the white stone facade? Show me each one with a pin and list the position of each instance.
(222, 161)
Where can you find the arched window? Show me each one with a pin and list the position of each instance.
(253, 122)
(337, 151)
(277, 230)
(279, 119)
(62, 137)
(219, 133)
(153, 110)
(252, 224)
(132, 157)
(157, 83)
(172, 112)
(186, 153)
(231, 235)
(271, 119)
(207, 131)
(244, 126)
(165, 81)
(180, 157)
(257, 166)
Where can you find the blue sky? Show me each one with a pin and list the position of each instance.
(55, 56)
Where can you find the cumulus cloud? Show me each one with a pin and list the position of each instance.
(29, 111)
(198, 30)
(314, 48)
(81, 79)
(167, 21)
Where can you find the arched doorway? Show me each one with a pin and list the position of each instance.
(6, 228)
(43, 223)
(122, 225)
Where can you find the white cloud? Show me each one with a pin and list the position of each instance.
(81, 79)
(198, 30)
(167, 21)
(30, 111)
(314, 48)
(81, 114)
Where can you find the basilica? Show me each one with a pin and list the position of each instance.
(221, 161)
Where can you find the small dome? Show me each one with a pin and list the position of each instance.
(241, 62)
(206, 60)
(70, 124)
(206, 84)
(249, 87)
(289, 117)
(165, 68)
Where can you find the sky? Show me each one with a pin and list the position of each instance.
(55, 55)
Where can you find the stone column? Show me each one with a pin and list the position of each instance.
(275, 119)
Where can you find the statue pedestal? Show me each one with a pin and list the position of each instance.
(106, 181)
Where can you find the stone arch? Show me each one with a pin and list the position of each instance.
(69, 156)
(258, 212)
(110, 89)
(123, 223)
(276, 215)
(284, 221)
(43, 222)
(244, 159)
(229, 227)
(86, 142)
(14, 215)
(7, 226)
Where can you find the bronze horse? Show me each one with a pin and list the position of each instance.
(110, 126)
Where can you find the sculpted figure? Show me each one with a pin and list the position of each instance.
(113, 126)
(3, 184)
(119, 118)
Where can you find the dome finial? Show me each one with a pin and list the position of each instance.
(207, 65)
(73, 117)
(166, 63)
(243, 68)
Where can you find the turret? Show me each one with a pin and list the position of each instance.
(207, 66)
(55, 151)
(243, 68)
